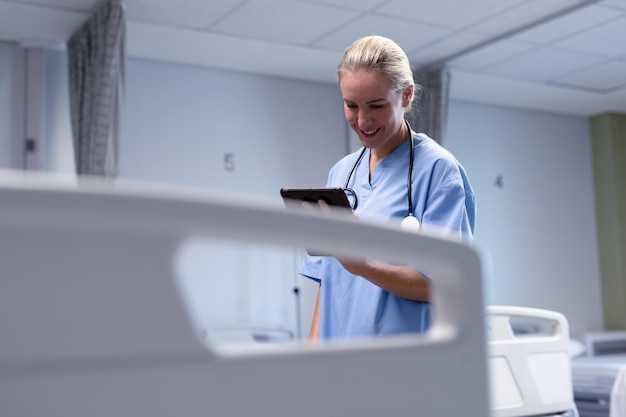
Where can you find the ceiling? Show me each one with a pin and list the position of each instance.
(562, 56)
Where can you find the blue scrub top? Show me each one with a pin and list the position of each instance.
(351, 306)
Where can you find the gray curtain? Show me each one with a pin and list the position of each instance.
(96, 80)
(430, 109)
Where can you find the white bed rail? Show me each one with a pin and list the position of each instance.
(92, 324)
(529, 362)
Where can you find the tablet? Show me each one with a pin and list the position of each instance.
(332, 196)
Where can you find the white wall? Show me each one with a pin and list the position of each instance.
(12, 101)
(34, 104)
(539, 226)
(238, 133)
(179, 125)
(181, 122)
(57, 150)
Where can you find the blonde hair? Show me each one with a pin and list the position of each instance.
(380, 54)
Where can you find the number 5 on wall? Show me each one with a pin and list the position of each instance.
(229, 162)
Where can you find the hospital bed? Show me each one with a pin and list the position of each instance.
(529, 362)
(92, 322)
(599, 376)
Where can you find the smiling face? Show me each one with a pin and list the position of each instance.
(375, 110)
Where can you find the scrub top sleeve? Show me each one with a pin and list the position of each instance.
(450, 208)
(311, 267)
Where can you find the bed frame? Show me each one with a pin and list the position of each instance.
(92, 323)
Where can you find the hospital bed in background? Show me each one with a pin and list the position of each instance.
(529, 362)
(528, 354)
(599, 376)
(92, 322)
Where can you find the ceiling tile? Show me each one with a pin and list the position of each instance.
(409, 35)
(620, 4)
(266, 37)
(162, 43)
(569, 24)
(29, 24)
(445, 48)
(542, 97)
(523, 15)
(190, 14)
(69, 5)
(542, 64)
(448, 13)
(607, 40)
(490, 54)
(284, 21)
(606, 77)
(363, 5)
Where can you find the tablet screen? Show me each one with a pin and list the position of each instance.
(332, 196)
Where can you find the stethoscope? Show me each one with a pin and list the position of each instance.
(410, 222)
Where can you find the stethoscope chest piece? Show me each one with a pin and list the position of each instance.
(410, 223)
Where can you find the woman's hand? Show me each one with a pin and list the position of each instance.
(403, 281)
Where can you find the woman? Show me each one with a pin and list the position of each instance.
(368, 297)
